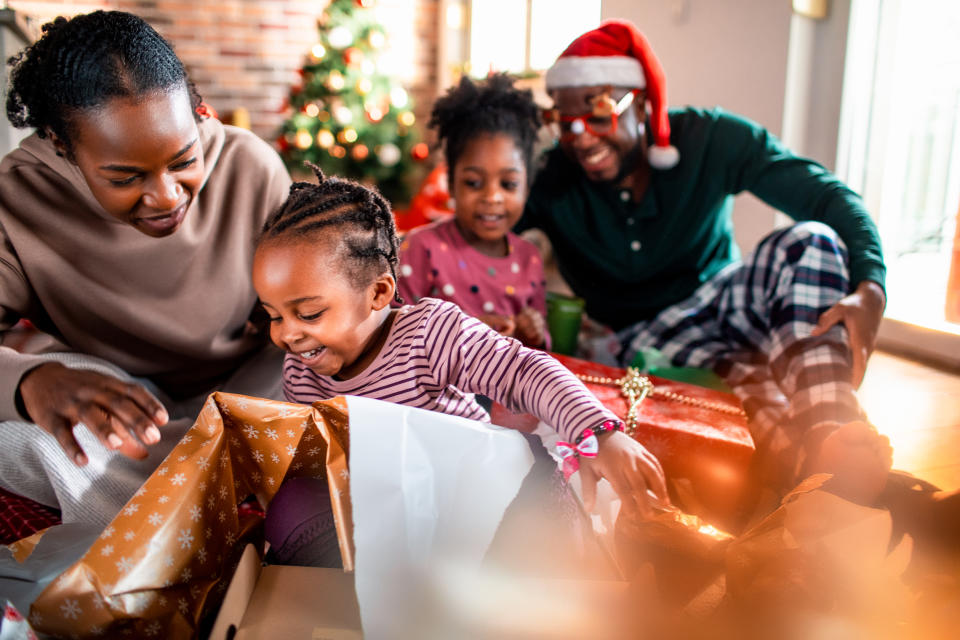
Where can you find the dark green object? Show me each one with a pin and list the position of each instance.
(563, 321)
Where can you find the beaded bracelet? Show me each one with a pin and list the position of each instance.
(606, 425)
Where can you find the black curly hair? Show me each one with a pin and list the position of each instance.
(358, 217)
(486, 107)
(82, 62)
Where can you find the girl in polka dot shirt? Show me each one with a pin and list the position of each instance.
(488, 129)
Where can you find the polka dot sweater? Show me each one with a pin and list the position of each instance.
(436, 262)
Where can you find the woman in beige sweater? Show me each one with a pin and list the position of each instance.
(127, 223)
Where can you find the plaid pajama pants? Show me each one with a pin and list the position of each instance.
(752, 323)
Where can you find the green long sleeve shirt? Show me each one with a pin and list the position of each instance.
(629, 260)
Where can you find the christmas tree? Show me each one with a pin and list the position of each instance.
(347, 117)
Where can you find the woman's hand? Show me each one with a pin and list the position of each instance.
(57, 398)
(629, 468)
(860, 312)
(531, 328)
(501, 324)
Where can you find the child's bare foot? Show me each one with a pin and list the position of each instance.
(857, 456)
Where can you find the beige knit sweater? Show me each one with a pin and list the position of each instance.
(172, 309)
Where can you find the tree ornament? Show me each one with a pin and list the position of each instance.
(399, 97)
(420, 151)
(338, 151)
(353, 56)
(335, 81)
(374, 113)
(376, 38)
(347, 136)
(303, 140)
(406, 118)
(318, 51)
(364, 86)
(311, 109)
(340, 37)
(342, 114)
(360, 152)
(325, 138)
(388, 154)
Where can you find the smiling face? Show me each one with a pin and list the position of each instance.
(490, 188)
(603, 158)
(141, 158)
(316, 312)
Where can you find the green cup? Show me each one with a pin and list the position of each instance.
(563, 320)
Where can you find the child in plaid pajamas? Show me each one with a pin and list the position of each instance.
(638, 210)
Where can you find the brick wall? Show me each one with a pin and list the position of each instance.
(245, 53)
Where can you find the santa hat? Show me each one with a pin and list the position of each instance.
(616, 53)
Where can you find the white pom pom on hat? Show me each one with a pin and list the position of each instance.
(616, 53)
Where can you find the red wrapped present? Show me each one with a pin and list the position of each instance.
(699, 435)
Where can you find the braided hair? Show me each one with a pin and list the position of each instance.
(486, 107)
(366, 234)
(81, 63)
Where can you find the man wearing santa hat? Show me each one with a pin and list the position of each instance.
(637, 204)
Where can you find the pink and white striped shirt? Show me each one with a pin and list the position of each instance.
(437, 357)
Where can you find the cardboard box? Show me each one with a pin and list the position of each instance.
(287, 602)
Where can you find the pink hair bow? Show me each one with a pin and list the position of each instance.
(570, 453)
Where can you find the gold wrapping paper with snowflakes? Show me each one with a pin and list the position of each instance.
(162, 565)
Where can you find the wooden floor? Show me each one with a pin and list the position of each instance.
(918, 408)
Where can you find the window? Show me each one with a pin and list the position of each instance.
(900, 144)
(523, 36)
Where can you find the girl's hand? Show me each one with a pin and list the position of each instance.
(57, 398)
(531, 328)
(500, 324)
(629, 468)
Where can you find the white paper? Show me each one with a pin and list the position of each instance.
(428, 493)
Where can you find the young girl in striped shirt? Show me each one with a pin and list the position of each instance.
(324, 269)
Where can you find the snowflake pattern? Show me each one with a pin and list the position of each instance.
(129, 535)
(202, 463)
(250, 431)
(183, 605)
(229, 539)
(131, 509)
(182, 458)
(290, 432)
(202, 486)
(257, 455)
(195, 591)
(36, 619)
(162, 600)
(223, 492)
(307, 437)
(107, 532)
(155, 519)
(185, 538)
(153, 629)
(314, 451)
(291, 449)
(70, 609)
(270, 481)
(168, 561)
(124, 565)
(210, 502)
(186, 574)
(344, 474)
(106, 550)
(255, 476)
(98, 601)
(222, 516)
(140, 492)
(202, 554)
(271, 433)
(195, 513)
(185, 439)
(162, 471)
(274, 458)
(178, 479)
(163, 499)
